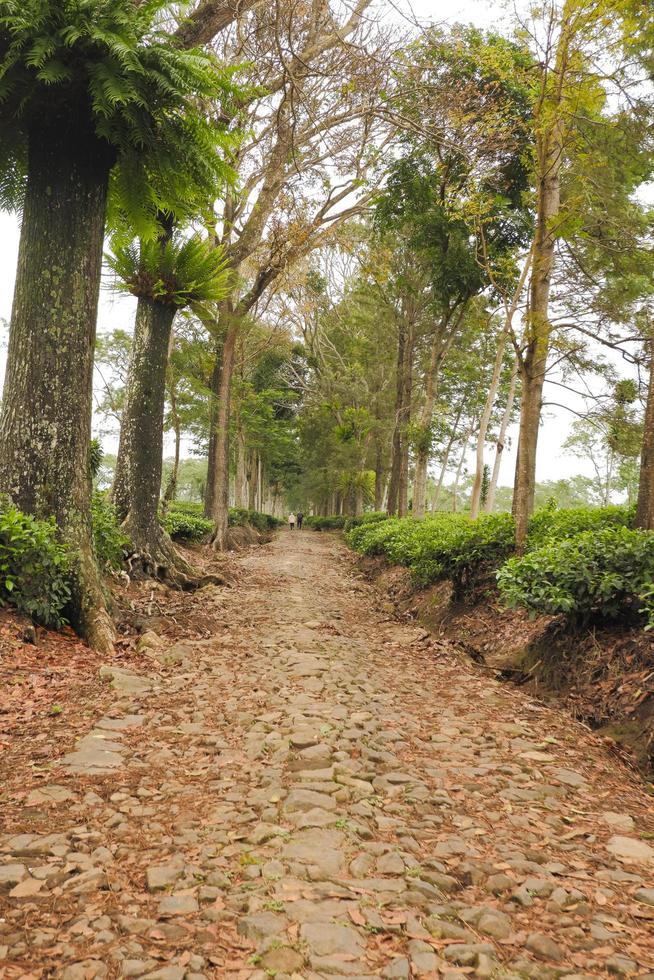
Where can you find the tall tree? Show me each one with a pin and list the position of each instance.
(84, 88)
(583, 165)
(167, 275)
(315, 133)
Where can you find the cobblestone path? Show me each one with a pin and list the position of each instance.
(321, 792)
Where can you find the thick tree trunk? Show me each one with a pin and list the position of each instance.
(439, 348)
(241, 469)
(645, 503)
(252, 480)
(405, 421)
(220, 476)
(475, 499)
(379, 475)
(214, 395)
(501, 440)
(396, 443)
(45, 425)
(137, 484)
(171, 486)
(549, 154)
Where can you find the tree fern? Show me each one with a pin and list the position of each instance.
(180, 272)
(152, 101)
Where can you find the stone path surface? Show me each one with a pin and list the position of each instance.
(319, 791)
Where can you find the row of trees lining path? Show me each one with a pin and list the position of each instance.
(473, 169)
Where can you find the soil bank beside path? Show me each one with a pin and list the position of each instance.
(317, 791)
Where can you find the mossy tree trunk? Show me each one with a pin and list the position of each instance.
(220, 474)
(45, 426)
(214, 396)
(137, 484)
(645, 504)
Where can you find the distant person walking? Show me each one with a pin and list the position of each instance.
(291, 521)
(300, 518)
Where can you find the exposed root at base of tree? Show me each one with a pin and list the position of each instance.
(154, 556)
(88, 611)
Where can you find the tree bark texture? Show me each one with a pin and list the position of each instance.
(440, 344)
(213, 420)
(645, 503)
(45, 426)
(220, 475)
(475, 499)
(137, 484)
(549, 155)
(170, 492)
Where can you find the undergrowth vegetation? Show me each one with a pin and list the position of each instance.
(602, 573)
(585, 563)
(185, 521)
(34, 567)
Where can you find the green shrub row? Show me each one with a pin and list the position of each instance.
(334, 523)
(34, 567)
(185, 521)
(240, 516)
(186, 526)
(606, 573)
(371, 517)
(582, 562)
(549, 524)
(442, 545)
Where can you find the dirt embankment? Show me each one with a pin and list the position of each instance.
(603, 675)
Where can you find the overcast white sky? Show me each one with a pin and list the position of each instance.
(117, 311)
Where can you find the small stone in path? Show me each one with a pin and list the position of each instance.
(27, 889)
(178, 905)
(307, 799)
(261, 925)
(543, 947)
(86, 970)
(325, 939)
(621, 966)
(162, 876)
(11, 874)
(568, 777)
(283, 959)
(397, 969)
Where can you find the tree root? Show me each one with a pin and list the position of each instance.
(155, 556)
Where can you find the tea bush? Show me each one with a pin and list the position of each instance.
(111, 544)
(34, 567)
(185, 521)
(334, 523)
(554, 525)
(240, 516)
(442, 545)
(372, 517)
(186, 526)
(595, 574)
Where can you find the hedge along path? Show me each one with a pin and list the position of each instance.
(321, 792)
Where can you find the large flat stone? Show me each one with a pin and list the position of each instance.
(307, 799)
(321, 848)
(630, 849)
(125, 681)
